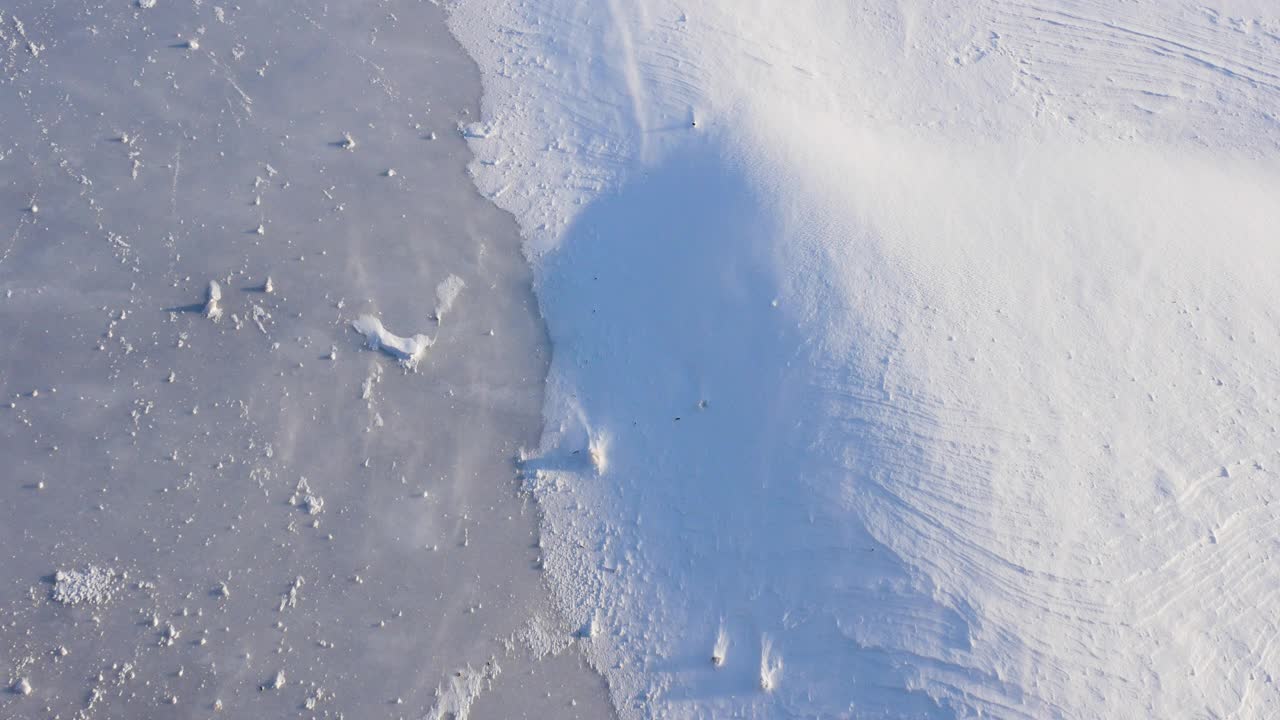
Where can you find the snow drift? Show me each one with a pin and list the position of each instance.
(938, 374)
(408, 350)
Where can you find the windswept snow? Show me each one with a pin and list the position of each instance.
(935, 344)
(455, 697)
(446, 294)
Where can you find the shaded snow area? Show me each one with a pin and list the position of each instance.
(214, 500)
(910, 359)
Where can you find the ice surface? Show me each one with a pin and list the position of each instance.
(934, 343)
(156, 456)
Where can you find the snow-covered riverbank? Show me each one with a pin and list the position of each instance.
(931, 349)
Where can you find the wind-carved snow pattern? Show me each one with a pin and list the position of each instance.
(456, 695)
(934, 352)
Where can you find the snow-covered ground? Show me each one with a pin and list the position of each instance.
(910, 359)
(213, 494)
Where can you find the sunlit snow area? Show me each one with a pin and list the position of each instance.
(640, 358)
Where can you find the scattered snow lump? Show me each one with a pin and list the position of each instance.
(304, 498)
(290, 598)
(23, 687)
(408, 350)
(92, 586)
(213, 296)
(277, 682)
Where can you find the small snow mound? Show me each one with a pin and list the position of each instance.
(290, 598)
(92, 586)
(446, 293)
(23, 687)
(409, 350)
(213, 296)
(304, 498)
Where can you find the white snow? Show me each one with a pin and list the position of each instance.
(213, 298)
(446, 293)
(92, 586)
(770, 665)
(720, 652)
(408, 350)
(304, 498)
(598, 452)
(982, 298)
(455, 698)
(290, 598)
(277, 682)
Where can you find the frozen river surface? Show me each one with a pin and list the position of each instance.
(235, 502)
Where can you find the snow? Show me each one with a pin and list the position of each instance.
(446, 294)
(909, 359)
(979, 302)
(213, 298)
(455, 698)
(305, 499)
(408, 350)
(92, 586)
